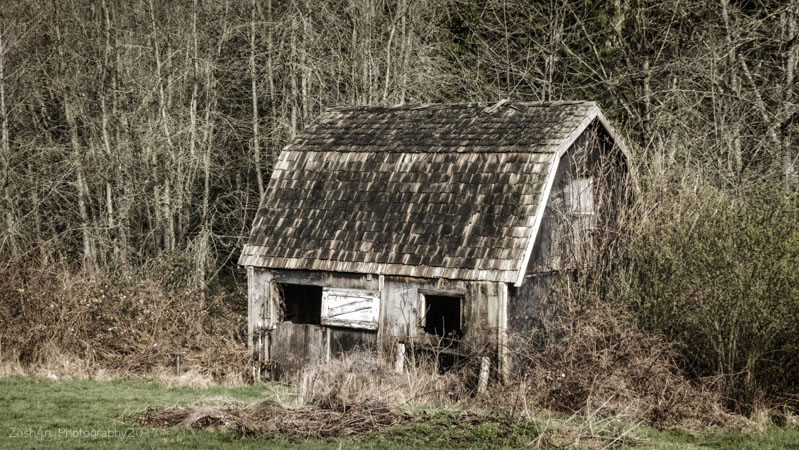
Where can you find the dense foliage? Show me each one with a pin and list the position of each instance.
(720, 277)
(138, 137)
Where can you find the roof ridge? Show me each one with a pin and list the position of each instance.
(485, 104)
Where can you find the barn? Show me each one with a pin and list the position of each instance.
(431, 226)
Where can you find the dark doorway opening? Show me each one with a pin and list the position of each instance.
(443, 316)
(301, 303)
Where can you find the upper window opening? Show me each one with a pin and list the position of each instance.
(301, 303)
(581, 196)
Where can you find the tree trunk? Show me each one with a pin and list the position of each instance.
(5, 158)
(89, 258)
(293, 76)
(256, 140)
(106, 135)
(168, 213)
(123, 200)
(388, 57)
(736, 162)
(405, 50)
(305, 76)
(788, 160)
(270, 70)
(269, 49)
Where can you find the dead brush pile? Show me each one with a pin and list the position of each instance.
(356, 394)
(589, 358)
(272, 420)
(78, 327)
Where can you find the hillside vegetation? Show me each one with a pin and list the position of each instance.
(137, 138)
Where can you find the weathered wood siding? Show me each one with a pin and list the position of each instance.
(565, 237)
(344, 340)
(350, 308)
(259, 296)
(551, 251)
(553, 244)
(549, 255)
(294, 345)
(531, 302)
(401, 314)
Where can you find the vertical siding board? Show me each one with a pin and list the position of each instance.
(250, 303)
(258, 293)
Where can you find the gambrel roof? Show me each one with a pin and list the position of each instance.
(437, 191)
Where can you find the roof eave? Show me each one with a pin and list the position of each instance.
(251, 258)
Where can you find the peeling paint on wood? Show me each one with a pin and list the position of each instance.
(350, 308)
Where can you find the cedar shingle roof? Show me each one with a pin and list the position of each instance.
(450, 191)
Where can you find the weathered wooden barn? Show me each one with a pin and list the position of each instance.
(431, 224)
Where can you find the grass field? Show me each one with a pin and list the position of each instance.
(43, 413)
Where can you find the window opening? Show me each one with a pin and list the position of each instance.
(581, 196)
(443, 316)
(301, 303)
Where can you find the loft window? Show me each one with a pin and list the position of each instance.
(443, 316)
(301, 303)
(581, 196)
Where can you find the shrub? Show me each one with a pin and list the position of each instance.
(126, 326)
(718, 275)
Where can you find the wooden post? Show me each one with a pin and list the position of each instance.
(268, 324)
(399, 358)
(267, 355)
(482, 382)
(503, 364)
(381, 315)
(177, 366)
(258, 361)
(303, 389)
(327, 344)
(251, 304)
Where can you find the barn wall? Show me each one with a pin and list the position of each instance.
(561, 239)
(258, 297)
(525, 303)
(531, 302)
(550, 252)
(546, 256)
(401, 314)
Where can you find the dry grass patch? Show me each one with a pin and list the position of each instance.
(366, 378)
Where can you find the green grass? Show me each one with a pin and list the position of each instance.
(43, 413)
(772, 438)
(52, 412)
(441, 431)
